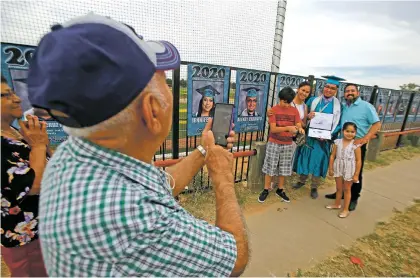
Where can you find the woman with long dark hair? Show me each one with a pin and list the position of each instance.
(207, 103)
(302, 93)
(206, 107)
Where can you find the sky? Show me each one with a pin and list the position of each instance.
(367, 42)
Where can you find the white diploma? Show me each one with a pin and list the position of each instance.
(322, 121)
(319, 133)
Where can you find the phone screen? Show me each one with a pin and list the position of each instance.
(222, 123)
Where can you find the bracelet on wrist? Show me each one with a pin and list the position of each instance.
(202, 150)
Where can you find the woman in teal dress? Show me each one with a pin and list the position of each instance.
(313, 158)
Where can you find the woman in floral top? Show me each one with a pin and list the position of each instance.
(24, 157)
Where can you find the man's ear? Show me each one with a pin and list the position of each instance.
(151, 113)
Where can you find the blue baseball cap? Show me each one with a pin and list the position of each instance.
(92, 67)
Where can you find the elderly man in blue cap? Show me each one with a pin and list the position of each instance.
(105, 210)
(313, 159)
(251, 102)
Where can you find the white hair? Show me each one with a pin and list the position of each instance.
(123, 118)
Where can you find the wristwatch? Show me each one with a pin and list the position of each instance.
(201, 150)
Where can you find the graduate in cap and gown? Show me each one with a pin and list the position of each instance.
(207, 101)
(251, 102)
(313, 158)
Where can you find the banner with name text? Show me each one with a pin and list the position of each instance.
(251, 99)
(207, 86)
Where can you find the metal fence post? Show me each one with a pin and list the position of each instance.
(374, 95)
(375, 146)
(407, 113)
(175, 113)
(311, 79)
(255, 180)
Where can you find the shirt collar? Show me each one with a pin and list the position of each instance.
(86, 151)
(327, 100)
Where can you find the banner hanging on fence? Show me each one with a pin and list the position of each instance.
(381, 101)
(251, 99)
(319, 86)
(287, 80)
(15, 60)
(340, 92)
(392, 106)
(402, 106)
(365, 92)
(207, 85)
(414, 109)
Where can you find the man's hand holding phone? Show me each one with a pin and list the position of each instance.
(205, 138)
(219, 160)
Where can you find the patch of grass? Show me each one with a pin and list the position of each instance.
(387, 157)
(392, 250)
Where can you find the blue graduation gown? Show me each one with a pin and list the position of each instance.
(315, 161)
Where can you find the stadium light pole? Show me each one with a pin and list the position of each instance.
(275, 62)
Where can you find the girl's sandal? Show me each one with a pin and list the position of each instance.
(343, 214)
(332, 207)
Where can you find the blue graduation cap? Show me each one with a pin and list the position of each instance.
(331, 79)
(252, 91)
(208, 91)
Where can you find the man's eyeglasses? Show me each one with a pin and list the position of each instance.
(8, 94)
(251, 100)
(331, 88)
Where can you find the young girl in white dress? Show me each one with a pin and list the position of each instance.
(345, 165)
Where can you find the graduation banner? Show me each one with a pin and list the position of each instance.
(287, 80)
(15, 60)
(365, 92)
(414, 109)
(250, 99)
(340, 93)
(319, 86)
(392, 106)
(402, 106)
(381, 101)
(207, 85)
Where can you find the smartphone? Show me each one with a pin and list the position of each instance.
(222, 123)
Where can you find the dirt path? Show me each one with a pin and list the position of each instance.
(286, 237)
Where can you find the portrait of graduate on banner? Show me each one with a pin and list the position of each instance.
(207, 103)
(251, 102)
(207, 85)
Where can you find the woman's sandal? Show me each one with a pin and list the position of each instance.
(343, 214)
(332, 207)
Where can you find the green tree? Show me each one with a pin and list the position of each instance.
(183, 83)
(410, 87)
(233, 85)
